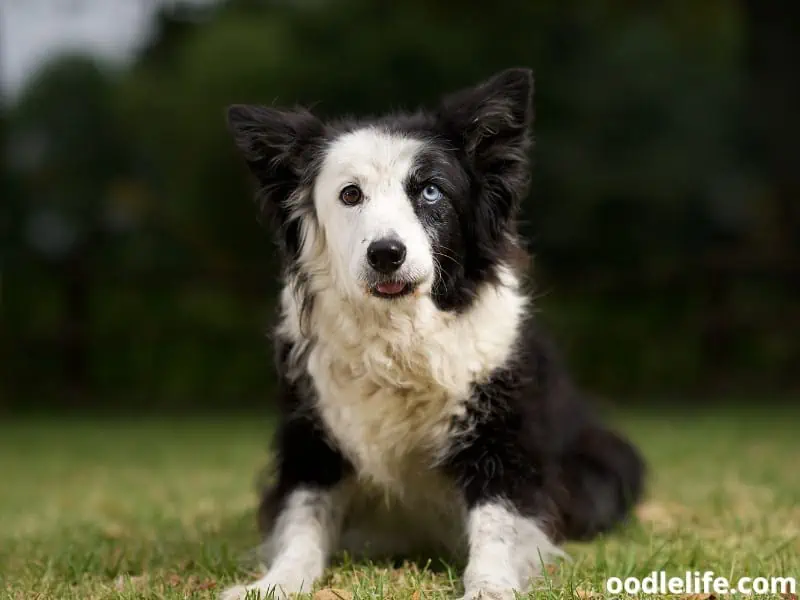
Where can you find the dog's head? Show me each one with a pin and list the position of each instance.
(402, 206)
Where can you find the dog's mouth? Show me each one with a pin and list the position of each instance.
(392, 289)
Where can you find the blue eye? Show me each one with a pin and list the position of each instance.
(432, 194)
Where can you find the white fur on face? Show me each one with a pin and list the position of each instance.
(506, 551)
(379, 163)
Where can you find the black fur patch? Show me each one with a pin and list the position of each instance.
(530, 439)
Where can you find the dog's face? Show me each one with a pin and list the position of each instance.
(369, 204)
(402, 206)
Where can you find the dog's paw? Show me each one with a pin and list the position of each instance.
(267, 588)
(246, 592)
(489, 593)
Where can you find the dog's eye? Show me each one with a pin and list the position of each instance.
(432, 194)
(351, 195)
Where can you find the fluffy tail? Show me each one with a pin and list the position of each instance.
(602, 477)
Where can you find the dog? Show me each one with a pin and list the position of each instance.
(422, 409)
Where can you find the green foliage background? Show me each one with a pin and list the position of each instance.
(662, 215)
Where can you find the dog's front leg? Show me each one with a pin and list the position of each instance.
(506, 550)
(301, 541)
(507, 504)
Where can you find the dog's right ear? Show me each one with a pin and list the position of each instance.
(277, 144)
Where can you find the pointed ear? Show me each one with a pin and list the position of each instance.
(494, 114)
(490, 124)
(276, 144)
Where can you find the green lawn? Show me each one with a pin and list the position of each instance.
(164, 509)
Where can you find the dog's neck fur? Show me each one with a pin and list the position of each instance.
(411, 344)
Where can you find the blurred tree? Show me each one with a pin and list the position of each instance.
(774, 85)
(175, 114)
(66, 152)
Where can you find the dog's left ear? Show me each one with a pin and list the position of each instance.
(490, 124)
(492, 118)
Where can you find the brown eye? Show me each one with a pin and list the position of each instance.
(351, 195)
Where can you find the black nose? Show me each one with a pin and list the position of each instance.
(386, 255)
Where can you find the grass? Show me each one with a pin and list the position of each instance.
(130, 509)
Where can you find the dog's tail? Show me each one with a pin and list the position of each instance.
(602, 478)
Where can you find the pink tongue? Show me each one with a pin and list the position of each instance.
(391, 288)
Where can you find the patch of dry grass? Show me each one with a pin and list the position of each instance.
(145, 509)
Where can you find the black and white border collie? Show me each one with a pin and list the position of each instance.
(421, 408)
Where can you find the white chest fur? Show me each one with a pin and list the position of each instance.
(390, 377)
